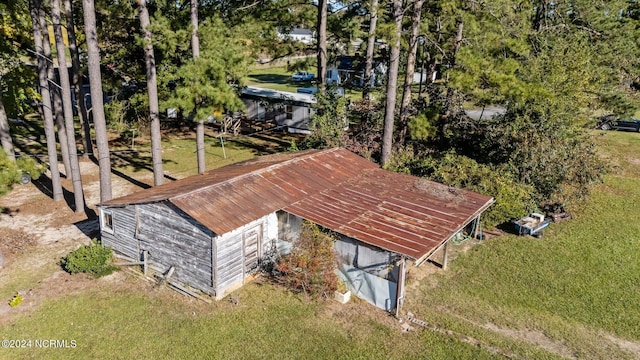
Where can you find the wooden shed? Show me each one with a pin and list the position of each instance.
(214, 229)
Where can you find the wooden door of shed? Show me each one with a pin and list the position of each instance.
(252, 240)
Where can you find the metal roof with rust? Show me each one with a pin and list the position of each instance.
(333, 188)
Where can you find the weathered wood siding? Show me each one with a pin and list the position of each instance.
(213, 264)
(173, 238)
(230, 253)
(123, 238)
(229, 262)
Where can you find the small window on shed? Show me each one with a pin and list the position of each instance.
(289, 111)
(106, 221)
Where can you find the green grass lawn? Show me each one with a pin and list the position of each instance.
(566, 294)
(266, 323)
(276, 78)
(179, 155)
(577, 284)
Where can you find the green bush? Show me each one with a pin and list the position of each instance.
(92, 259)
(328, 123)
(30, 166)
(513, 199)
(10, 172)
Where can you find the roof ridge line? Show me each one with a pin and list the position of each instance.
(311, 154)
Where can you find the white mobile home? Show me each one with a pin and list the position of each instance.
(288, 110)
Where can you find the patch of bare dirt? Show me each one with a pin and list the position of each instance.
(631, 347)
(15, 242)
(35, 232)
(633, 160)
(537, 338)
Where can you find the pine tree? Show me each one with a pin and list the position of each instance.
(87, 144)
(68, 107)
(152, 90)
(322, 45)
(392, 83)
(5, 133)
(34, 7)
(54, 89)
(195, 49)
(95, 81)
(410, 69)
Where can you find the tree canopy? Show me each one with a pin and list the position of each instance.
(551, 65)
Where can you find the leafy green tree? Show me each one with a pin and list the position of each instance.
(209, 83)
(16, 76)
(12, 171)
(513, 198)
(329, 122)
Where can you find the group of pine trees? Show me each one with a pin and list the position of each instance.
(550, 65)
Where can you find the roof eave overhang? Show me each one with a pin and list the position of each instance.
(426, 256)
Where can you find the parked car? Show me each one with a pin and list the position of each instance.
(302, 76)
(611, 121)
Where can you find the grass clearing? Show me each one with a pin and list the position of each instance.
(277, 78)
(179, 154)
(577, 283)
(266, 323)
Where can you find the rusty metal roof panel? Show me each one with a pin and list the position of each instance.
(396, 212)
(334, 188)
(231, 196)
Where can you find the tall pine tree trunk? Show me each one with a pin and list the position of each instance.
(43, 83)
(322, 45)
(152, 90)
(392, 83)
(5, 133)
(97, 109)
(58, 119)
(55, 91)
(81, 106)
(411, 62)
(195, 48)
(451, 63)
(195, 40)
(67, 107)
(371, 43)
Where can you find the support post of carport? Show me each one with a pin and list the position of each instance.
(400, 287)
(477, 228)
(445, 255)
